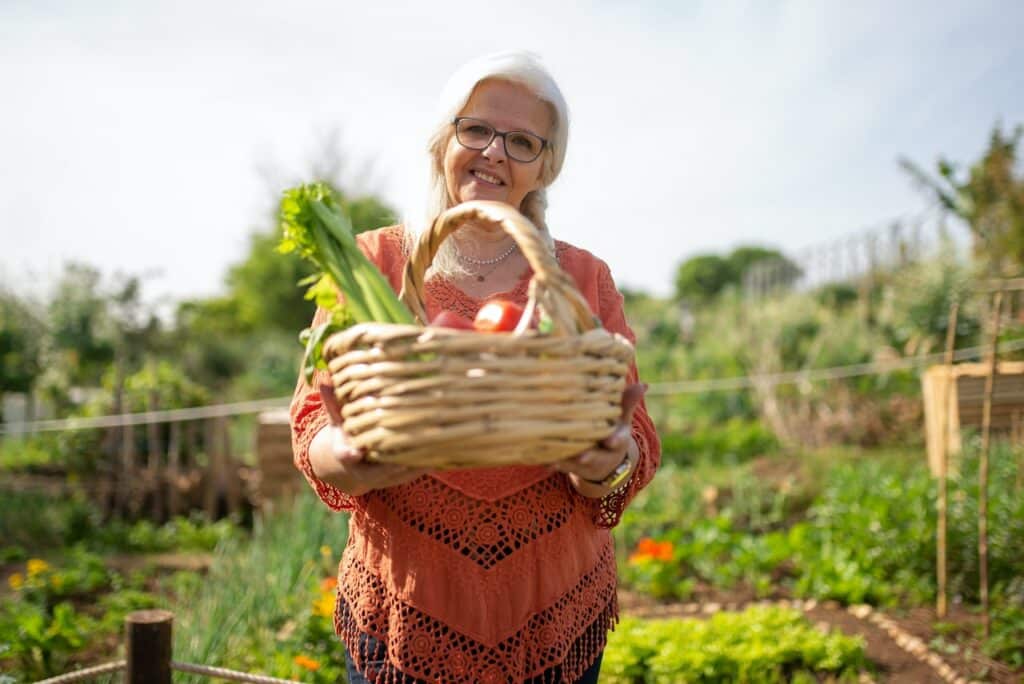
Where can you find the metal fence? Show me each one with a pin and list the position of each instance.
(889, 246)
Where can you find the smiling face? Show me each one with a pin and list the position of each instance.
(489, 174)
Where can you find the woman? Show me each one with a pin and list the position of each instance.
(494, 575)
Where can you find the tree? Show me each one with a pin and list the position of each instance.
(989, 199)
(82, 333)
(22, 333)
(702, 278)
(264, 285)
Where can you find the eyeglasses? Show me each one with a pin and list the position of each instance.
(477, 135)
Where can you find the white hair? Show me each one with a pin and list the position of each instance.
(518, 67)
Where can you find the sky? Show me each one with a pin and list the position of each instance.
(151, 138)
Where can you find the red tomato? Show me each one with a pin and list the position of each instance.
(499, 315)
(450, 319)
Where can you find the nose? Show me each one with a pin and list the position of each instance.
(496, 150)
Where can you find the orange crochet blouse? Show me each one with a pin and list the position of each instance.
(487, 575)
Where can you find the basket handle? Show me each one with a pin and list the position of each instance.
(551, 289)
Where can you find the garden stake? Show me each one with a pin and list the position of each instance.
(986, 426)
(940, 607)
(1018, 450)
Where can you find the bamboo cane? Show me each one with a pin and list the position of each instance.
(986, 427)
(943, 506)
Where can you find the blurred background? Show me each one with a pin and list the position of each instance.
(792, 198)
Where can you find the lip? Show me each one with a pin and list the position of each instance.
(475, 174)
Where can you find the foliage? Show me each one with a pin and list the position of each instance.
(38, 642)
(41, 629)
(759, 645)
(41, 522)
(255, 609)
(21, 335)
(701, 279)
(868, 536)
(990, 199)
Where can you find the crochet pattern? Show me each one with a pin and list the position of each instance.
(489, 575)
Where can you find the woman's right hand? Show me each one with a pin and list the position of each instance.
(343, 466)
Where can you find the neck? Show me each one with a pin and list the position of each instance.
(482, 242)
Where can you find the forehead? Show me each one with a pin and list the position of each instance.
(509, 106)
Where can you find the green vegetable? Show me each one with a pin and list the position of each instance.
(314, 224)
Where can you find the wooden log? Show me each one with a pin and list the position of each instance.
(148, 650)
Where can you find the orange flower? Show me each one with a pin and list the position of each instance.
(649, 549)
(663, 551)
(308, 663)
(647, 546)
(329, 584)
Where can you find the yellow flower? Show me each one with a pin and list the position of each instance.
(324, 606)
(36, 566)
(56, 581)
(16, 581)
(308, 663)
(326, 552)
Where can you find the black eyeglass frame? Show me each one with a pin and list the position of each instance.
(495, 133)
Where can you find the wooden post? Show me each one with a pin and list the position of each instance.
(154, 467)
(943, 506)
(173, 470)
(212, 444)
(1018, 450)
(149, 647)
(232, 484)
(986, 428)
(128, 484)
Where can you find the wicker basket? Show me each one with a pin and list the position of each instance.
(443, 398)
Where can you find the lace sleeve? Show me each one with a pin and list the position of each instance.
(308, 417)
(608, 510)
(307, 412)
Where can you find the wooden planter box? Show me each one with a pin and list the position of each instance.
(965, 403)
(278, 474)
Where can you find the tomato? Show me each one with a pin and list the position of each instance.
(499, 315)
(450, 319)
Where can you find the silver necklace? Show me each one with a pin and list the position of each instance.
(487, 262)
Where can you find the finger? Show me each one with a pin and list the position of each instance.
(618, 440)
(342, 449)
(631, 397)
(330, 402)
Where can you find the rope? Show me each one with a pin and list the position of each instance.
(146, 417)
(87, 673)
(232, 675)
(815, 375)
(656, 389)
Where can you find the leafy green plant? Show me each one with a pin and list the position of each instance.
(40, 642)
(758, 645)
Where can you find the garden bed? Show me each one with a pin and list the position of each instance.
(891, 661)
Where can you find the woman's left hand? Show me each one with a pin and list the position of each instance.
(594, 465)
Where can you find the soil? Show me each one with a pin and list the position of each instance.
(953, 646)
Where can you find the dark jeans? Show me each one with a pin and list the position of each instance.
(375, 656)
